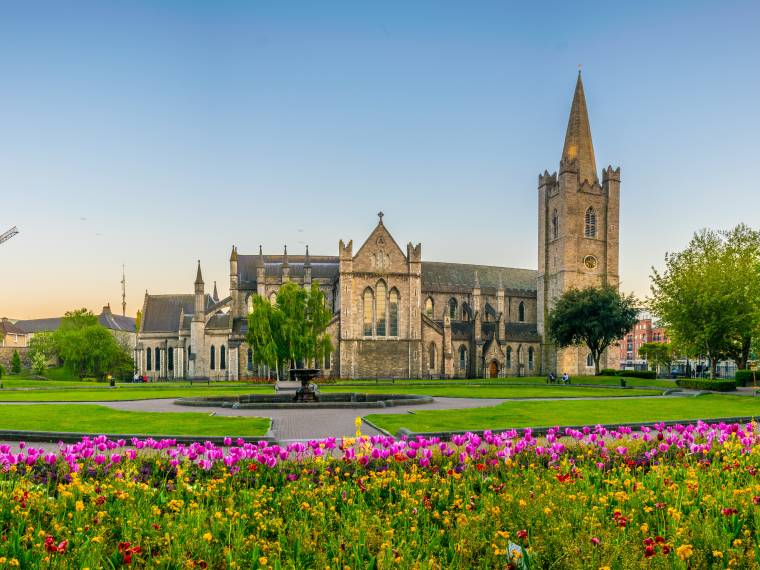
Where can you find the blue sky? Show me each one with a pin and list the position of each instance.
(157, 133)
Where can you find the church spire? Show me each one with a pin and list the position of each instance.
(578, 144)
(199, 277)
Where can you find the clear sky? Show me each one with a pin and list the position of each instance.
(157, 133)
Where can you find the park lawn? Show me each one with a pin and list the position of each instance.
(571, 412)
(541, 380)
(130, 392)
(491, 391)
(94, 419)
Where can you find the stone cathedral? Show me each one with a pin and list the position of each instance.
(396, 315)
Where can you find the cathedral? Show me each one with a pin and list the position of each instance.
(396, 315)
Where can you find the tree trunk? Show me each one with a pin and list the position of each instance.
(713, 368)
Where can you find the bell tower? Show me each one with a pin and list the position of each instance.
(578, 234)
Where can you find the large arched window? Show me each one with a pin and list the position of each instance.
(223, 357)
(519, 356)
(170, 358)
(393, 313)
(431, 356)
(521, 312)
(381, 291)
(148, 360)
(213, 357)
(555, 224)
(250, 359)
(589, 360)
(453, 308)
(463, 357)
(429, 307)
(530, 358)
(590, 226)
(158, 360)
(508, 363)
(367, 302)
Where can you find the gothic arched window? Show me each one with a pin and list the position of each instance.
(158, 360)
(453, 308)
(521, 312)
(393, 313)
(431, 356)
(223, 357)
(250, 359)
(381, 291)
(530, 358)
(462, 357)
(589, 360)
(367, 317)
(148, 360)
(590, 226)
(170, 358)
(429, 307)
(213, 357)
(508, 363)
(555, 225)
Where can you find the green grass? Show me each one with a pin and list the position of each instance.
(493, 391)
(130, 392)
(100, 419)
(576, 380)
(573, 412)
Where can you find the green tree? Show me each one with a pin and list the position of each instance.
(15, 363)
(39, 363)
(657, 354)
(291, 332)
(88, 348)
(43, 344)
(708, 296)
(138, 321)
(594, 317)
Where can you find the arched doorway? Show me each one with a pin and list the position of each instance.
(493, 369)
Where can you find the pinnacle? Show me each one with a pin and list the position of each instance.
(578, 143)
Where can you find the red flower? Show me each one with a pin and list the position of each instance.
(480, 466)
(728, 512)
(649, 551)
(522, 534)
(756, 499)
(595, 541)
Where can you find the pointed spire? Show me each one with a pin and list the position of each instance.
(261, 257)
(199, 277)
(233, 255)
(578, 144)
(216, 295)
(307, 259)
(285, 257)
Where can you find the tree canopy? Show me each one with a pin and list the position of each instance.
(657, 353)
(292, 331)
(88, 348)
(708, 296)
(594, 317)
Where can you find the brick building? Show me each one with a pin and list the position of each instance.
(643, 331)
(398, 315)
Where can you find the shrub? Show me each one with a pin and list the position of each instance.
(717, 385)
(646, 374)
(746, 377)
(608, 372)
(15, 363)
(39, 363)
(2, 371)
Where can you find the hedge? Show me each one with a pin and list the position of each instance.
(716, 385)
(648, 374)
(746, 377)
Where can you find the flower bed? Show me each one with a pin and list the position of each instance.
(667, 497)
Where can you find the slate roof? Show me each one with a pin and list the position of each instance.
(442, 276)
(162, 311)
(7, 327)
(523, 331)
(322, 266)
(108, 320)
(219, 322)
(461, 330)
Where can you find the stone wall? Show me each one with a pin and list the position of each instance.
(6, 354)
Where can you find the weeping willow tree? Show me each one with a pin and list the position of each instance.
(292, 331)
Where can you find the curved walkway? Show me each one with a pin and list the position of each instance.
(290, 424)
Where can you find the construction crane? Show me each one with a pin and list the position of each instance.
(9, 234)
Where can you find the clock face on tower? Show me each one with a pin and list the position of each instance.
(590, 262)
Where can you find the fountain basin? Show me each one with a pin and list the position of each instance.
(285, 401)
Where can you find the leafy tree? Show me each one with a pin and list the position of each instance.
(595, 317)
(708, 296)
(43, 344)
(39, 363)
(138, 321)
(657, 354)
(88, 348)
(291, 332)
(2, 371)
(15, 363)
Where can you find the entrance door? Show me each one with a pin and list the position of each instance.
(493, 369)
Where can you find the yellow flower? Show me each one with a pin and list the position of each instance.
(644, 528)
(13, 562)
(207, 537)
(3, 559)
(717, 554)
(263, 561)
(684, 551)
(738, 542)
(79, 506)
